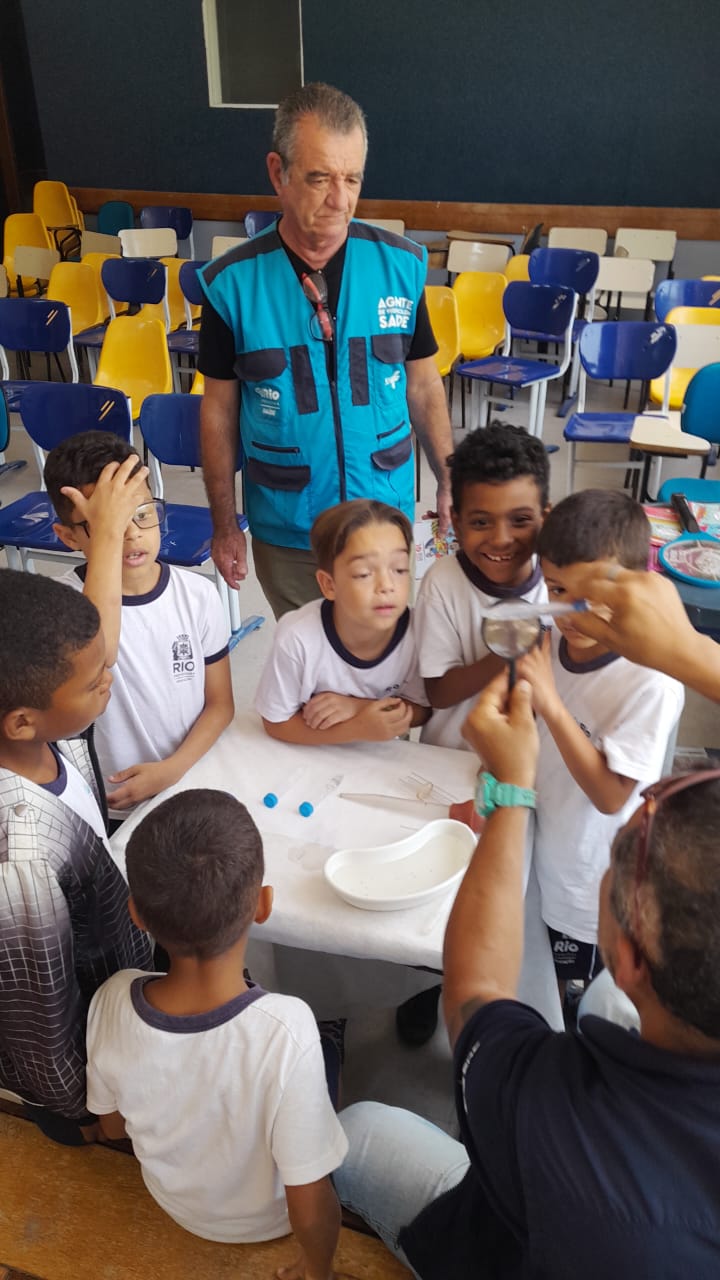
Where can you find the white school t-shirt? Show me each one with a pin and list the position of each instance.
(308, 657)
(167, 638)
(628, 713)
(448, 623)
(224, 1108)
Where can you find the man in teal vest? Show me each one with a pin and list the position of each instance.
(317, 348)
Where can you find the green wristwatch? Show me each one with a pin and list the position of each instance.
(491, 795)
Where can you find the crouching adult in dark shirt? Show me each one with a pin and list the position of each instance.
(588, 1155)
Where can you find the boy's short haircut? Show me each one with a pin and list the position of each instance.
(495, 454)
(195, 869)
(43, 624)
(78, 461)
(595, 524)
(332, 528)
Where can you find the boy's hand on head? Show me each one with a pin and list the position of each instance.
(501, 729)
(115, 498)
(324, 710)
(383, 719)
(536, 668)
(139, 782)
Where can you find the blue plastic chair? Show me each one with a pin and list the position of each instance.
(19, 463)
(114, 216)
(701, 411)
(187, 341)
(51, 412)
(694, 488)
(685, 293)
(256, 221)
(534, 308)
(135, 280)
(575, 269)
(33, 324)
(176, 216)
(622, 349)
(170, 427)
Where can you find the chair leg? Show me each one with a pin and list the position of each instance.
(14, 558)
(542, 397)
(570, 466)
(533, 410)
(480, 404)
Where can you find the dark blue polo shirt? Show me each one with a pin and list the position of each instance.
(593, 1157)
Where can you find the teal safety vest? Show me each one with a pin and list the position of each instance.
(311, 440)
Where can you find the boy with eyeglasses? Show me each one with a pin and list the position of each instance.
(164, 627)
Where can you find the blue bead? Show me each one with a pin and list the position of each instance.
(305, 809)
(270, 800)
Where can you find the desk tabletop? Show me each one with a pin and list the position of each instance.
(306, 912)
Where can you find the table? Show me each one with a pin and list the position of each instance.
(307, 913)
(659, 435)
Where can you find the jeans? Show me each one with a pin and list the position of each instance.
(397, 1163)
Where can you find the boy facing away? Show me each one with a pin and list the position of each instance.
(604, 725)
(344, 669)
(220, 1085)
(64, 926)
(164, 627)
(500, 480)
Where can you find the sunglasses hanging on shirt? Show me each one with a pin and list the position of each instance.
(315, 289)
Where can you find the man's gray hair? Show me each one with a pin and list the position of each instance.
(336, 111)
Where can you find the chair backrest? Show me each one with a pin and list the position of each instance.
(176, 216)
(541, 308)
(76, 284)
(148, 242)
(134, 357)
(625, 275)
(636, 242)
(685, 293)
(386, 224)
(135, 280)
(694, 488)
(257, 220)
(221, 244)
(95, 242)
(517, 267)
(174, 297)
(34, 324)
(591, 239)
(698, 339)
(481, 319)
(627, 349)
(189, 282)
(4, 423)
(53, 411)
(574, 268)
(114, 216)
(701, 411)
(443, 313)
(532, 239)
(170, 427)
(472, 255)
(22, 229)
(54, 204)
(35, 263)
(95, 262)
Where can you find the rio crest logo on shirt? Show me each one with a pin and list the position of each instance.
(394, 312)
(183, 663)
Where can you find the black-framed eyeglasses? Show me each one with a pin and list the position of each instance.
(654, 797)
(315, 289)
(147, 516)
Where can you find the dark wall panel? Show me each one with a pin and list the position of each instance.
(578, 102)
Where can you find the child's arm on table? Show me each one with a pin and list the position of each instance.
(325, 710)
(314, 1213)
(378, 720)
(143, 780)
(112, 1126)
(112, 504)
(607, 790)
(459, 683)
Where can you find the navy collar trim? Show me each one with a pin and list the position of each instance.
(582, 668)
(478, 579)
(160, 586)
(333, 639)
(57, 787)
(627, 1046)
(187, 1024)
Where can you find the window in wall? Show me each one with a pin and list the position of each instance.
(254, 51)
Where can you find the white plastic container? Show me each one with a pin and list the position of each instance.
(405, 874)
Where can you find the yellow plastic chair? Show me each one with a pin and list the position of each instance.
(75, 284)
(694, 350)
(198, 385)
(95, 260)
(58, 209)
(135, 359)
(22, 229)
(518, 268)
(443, 312)
(479, 296)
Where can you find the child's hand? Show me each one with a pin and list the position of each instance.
(115, 498)
(383, 719)
(536, 667)
(324, 710)
(299, 1270)
(139, 782)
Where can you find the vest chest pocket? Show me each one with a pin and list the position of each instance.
(388, 369)
(267, 388)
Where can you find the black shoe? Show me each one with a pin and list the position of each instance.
(417, 1018)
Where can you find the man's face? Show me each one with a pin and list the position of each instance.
(319, 190)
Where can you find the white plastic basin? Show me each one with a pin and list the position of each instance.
(404, 874)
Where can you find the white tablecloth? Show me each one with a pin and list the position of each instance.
(306, 912)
